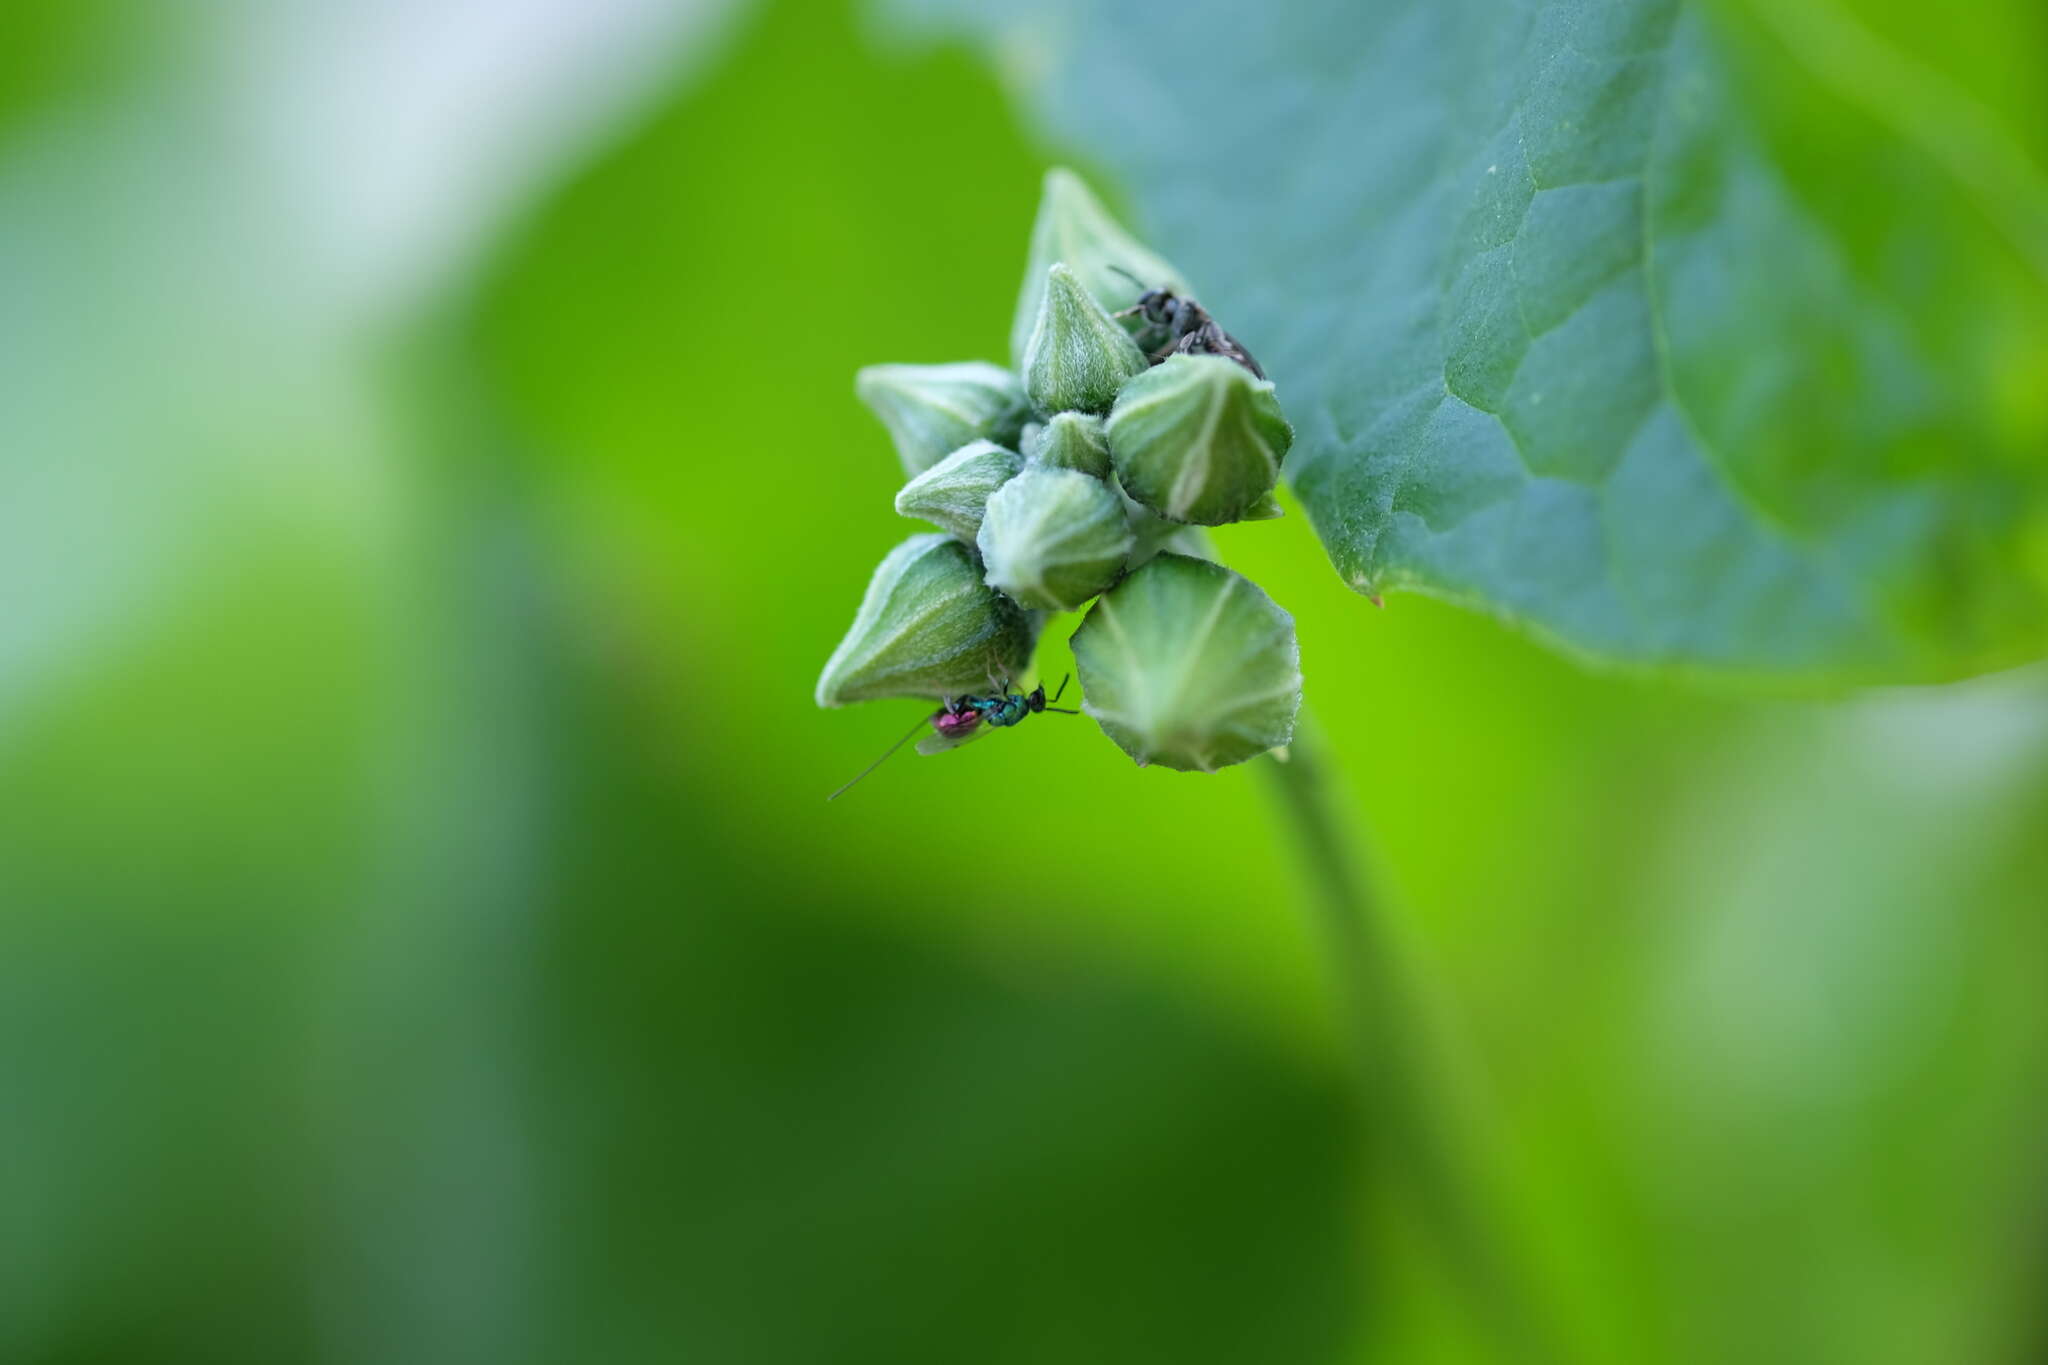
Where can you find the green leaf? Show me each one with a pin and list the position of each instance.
(1711, 337)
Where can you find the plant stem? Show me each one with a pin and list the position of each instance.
(1393, 1050)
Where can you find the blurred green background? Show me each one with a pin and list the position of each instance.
(429, 484)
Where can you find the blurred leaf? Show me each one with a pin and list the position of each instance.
(788, 1135)
(50, 47)
(1678, 348)
(1840, 1042)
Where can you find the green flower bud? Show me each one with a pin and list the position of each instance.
(1077, 356)
(1053, 538)
(1072, 226)
(1070, 440)
(952, 493)
(928, 627)
(1188, 665)
(1267, 508)
(933, 410)
(1197, 438)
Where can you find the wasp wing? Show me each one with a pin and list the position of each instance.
(1209, 339)
(939, 744)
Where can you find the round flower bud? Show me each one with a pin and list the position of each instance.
(1053, 538)
(951, 494)
(1072, 226)
(928, 627)
(1069, 440)
(1188, 665)
(933, 410)
(1077, 356)
(1197, 438)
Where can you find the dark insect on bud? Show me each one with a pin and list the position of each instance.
(1177, 325)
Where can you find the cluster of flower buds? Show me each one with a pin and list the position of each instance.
(1082, 476)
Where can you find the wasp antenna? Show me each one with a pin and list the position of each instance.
(1064, 710)
(922, 722)
(1063, 687)
(1129, 276)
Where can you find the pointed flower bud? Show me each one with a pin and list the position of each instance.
(1069, 440)
(1197, 438)
(1053, 538)
(928, 627)
(1072, 226)
(933, 410)
(1077, 356)
(1188, 665)
(1267, 508)
(952, 493)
